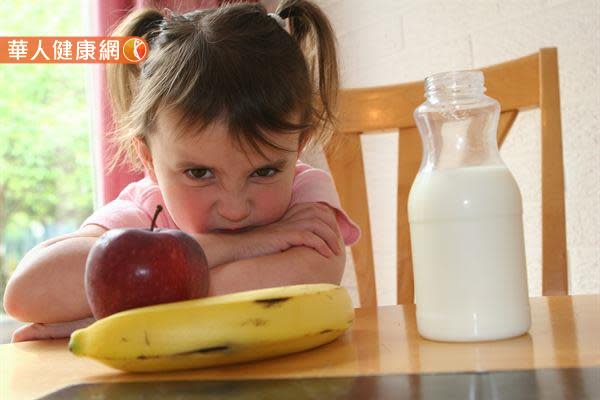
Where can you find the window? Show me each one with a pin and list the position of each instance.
(45, 162)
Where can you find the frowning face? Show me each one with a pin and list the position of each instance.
(210, 184)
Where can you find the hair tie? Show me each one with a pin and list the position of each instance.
(286, 13)
(277, 18)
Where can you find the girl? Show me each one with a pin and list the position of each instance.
(216, 117)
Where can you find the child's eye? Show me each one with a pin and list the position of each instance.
(198, 173)
(266, 172)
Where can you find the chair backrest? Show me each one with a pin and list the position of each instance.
(524, 83)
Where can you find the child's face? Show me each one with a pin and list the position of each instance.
(209, 184)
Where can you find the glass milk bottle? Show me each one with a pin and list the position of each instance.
(465, 217)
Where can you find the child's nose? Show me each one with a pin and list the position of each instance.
(234, 208)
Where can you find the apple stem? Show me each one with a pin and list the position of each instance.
(158, 210)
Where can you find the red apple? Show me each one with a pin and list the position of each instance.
(130, 268)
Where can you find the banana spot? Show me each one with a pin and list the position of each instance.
(124, 340)
(146, 338)
(271, 302)
(205, 350)
(255, 322)
(325, 331)
(212, 349)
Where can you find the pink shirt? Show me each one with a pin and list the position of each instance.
(136, 204)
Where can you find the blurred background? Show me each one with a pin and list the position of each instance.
(46, 180)
(51, 115)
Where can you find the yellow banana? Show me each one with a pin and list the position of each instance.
(218, 330)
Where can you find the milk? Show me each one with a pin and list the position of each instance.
(468, 254)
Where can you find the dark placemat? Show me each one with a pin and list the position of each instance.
(565, 383)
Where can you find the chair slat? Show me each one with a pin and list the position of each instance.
(346, 164)
(515, 84)
(410, 152)
(554, 247)
(506, 122)
(377, 108)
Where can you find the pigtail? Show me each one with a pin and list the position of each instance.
(311, 29)
(122, 78)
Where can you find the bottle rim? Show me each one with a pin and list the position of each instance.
(455, 83)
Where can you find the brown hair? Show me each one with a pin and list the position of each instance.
(234, 62)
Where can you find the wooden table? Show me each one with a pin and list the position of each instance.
(565, 333)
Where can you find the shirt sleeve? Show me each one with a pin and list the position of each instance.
(119, 214)
(313, 185)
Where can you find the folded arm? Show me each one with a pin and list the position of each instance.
(297, 265)
(47, 287)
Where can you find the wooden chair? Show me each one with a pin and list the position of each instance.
(521, 84)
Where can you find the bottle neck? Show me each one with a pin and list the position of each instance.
(458, 122)
(454, 87)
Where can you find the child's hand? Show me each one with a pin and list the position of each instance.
(49, 331)
(306, 224)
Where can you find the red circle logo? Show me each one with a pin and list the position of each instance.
(135, 50)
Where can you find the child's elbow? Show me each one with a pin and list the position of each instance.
(332, 269)
(15, 302)
(338, 263)
(309, 266)
(21, 299)
(337, 267)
